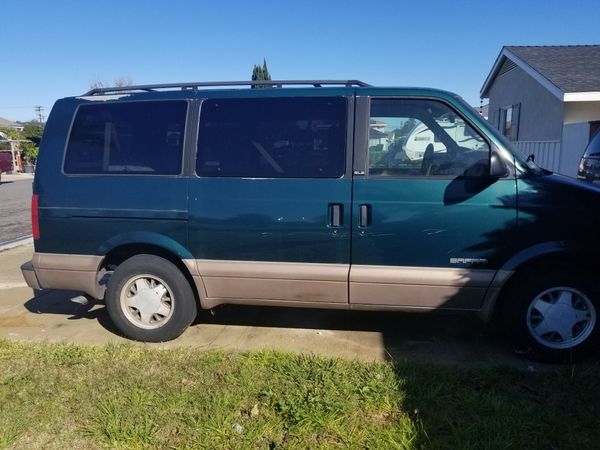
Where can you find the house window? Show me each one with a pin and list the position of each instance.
(509, 121)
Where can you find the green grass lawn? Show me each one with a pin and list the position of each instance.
(66, 396)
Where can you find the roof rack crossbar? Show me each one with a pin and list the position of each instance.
(194, 86)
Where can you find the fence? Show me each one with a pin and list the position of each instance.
(547, 153)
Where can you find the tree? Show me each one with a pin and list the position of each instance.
(13, 134)
(119, 81)
(260, 73)
(32, 130)
(29, 139)
(96, 84)
(30, 151)
(405, 129)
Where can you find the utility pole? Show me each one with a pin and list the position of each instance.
(39, 110)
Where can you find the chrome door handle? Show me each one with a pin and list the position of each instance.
(335, 215)
(364, 219)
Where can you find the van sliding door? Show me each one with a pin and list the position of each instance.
(269, 205)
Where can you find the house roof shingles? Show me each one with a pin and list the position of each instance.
(5, 123)
(571, 68)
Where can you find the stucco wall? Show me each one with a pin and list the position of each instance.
(541, 116)
(575, 138)
(582, 112)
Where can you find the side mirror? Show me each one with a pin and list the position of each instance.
(498, 168)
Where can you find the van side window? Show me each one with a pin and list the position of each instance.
(272, 138)
(409, 137)
(127, 138)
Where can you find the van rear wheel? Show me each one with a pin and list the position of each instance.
(149, 299)
(553, 315)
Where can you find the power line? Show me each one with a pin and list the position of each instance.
(39, 110)
(15, 107)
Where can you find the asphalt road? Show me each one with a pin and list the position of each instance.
(15, 203)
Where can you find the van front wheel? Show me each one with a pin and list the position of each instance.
(149, 299)
(554, 315)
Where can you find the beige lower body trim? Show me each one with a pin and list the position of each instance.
(419, 287)
(296, 284)
(191, 266)
(61, 261)
(69, 272)
(400, 308)
(324, 285)
(29, 275)
(268, 269)
(209, 303)
(273, 282)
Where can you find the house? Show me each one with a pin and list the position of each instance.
(377, 134)
(546, 99)
(5, 123)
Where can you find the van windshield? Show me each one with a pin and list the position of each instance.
(593, 148)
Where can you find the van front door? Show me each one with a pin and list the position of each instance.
(430, 225)
(270, 204)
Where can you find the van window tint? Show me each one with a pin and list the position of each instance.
(423, 138)
(272, 138)
(127, 138)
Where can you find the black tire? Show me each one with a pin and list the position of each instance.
(139, 280)
(543, 289)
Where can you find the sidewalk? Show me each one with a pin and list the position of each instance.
(16, 176)
(10, 264)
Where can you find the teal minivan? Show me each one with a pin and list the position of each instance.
(162, 199)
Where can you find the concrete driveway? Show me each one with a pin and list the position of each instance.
(367, 336)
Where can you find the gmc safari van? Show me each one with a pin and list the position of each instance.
(162, 199)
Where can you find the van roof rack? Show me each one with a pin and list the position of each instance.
(195, 86)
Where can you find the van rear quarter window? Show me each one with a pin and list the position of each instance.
(127, 138)
(272, 138)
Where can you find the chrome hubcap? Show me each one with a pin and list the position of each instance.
(147, 301)
(561, 317)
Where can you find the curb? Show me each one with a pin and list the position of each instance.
(23, 240)
(16, 177)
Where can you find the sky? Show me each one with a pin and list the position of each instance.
(55, 49)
